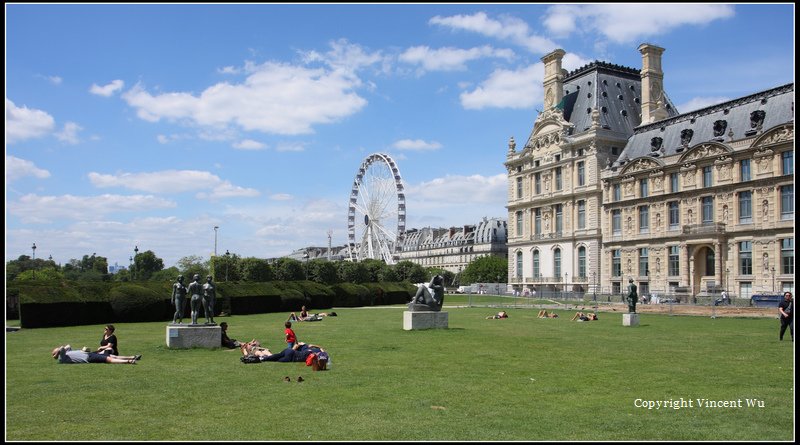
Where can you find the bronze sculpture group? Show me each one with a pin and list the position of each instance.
(204, 294)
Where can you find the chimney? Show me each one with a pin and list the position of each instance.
(553, 79)
(652, 84)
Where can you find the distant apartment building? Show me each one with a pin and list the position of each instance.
(452, 249)
(614, 184)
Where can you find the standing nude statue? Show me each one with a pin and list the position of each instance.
(179, 300)
(209, 296)
(195, 290)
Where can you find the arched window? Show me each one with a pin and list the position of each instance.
(582, 262)
(536, 273)
(557, 263)
(519, 264)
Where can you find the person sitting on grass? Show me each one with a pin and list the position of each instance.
(227, 342)
(544, 314)
(580, 316)
(65, 354)
(501, 314)
(251, 347)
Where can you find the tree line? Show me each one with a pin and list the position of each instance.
(149, 267)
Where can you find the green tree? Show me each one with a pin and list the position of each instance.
(288, 269)
(486, 269)
(322, 271)
(350, 272)
(145, 264)
(254, 269)
(192, 264)
(374, 268)
(169, 274)
(48, 273)
(411, 272)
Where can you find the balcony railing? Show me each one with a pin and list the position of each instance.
(694, 229)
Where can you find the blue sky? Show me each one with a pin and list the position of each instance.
(148, 125)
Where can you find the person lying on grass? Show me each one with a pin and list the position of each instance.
(580, 316)
(65, 354)
(544, 314)
(501, 314)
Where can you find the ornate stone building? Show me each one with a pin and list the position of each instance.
(454, 248)
(612, 182)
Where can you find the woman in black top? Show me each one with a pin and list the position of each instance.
(108, 344)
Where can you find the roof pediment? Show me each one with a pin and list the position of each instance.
(705, 150)
(641, 164)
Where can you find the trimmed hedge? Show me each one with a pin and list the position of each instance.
(69, 303)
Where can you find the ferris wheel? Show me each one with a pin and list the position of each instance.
(376, 214)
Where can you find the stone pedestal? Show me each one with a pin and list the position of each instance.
(424, 320)
(184, 336)
(630, 319)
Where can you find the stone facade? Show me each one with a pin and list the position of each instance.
(614, 184)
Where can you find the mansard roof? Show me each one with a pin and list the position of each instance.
(614, 90)
(732, 120)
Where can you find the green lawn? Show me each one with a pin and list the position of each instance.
(521, 378)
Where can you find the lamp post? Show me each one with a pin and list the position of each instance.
(498, 285)
(727, 279)
(33, 247)
(773, 278)
(135, 254)
(566, 280)
(594, 280)
(305, 267)
(227, 261)
(215, 240)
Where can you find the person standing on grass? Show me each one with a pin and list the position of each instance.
(786, 309)
(291, 339)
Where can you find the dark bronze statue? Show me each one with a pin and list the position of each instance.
(179, 300)
(195, 290)
(209, 297)
(632, 297)
(430, 297)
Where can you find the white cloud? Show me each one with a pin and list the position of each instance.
(229, 70)
(281, 197)
(174, 181)
(26, 123)
(276, 98)
(416, 144)
(290, 146)
(107, 90)
(346, 58)
(450, 59)
(626, 23)
(17, 168)
(507, 89)
(55, 80)
(69, 134)
(456, 200)
(33, 208)
(249, 144)
(505, 28)
(697, 103)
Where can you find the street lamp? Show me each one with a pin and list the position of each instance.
(566, 280)
(215, 240)
(498, 285)
(227, 260)
(135, 254)
(773, 278)
(305, 268)
(727, 279)
(34, 259)
(594, 280)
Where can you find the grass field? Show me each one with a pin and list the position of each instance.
(521, 378)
